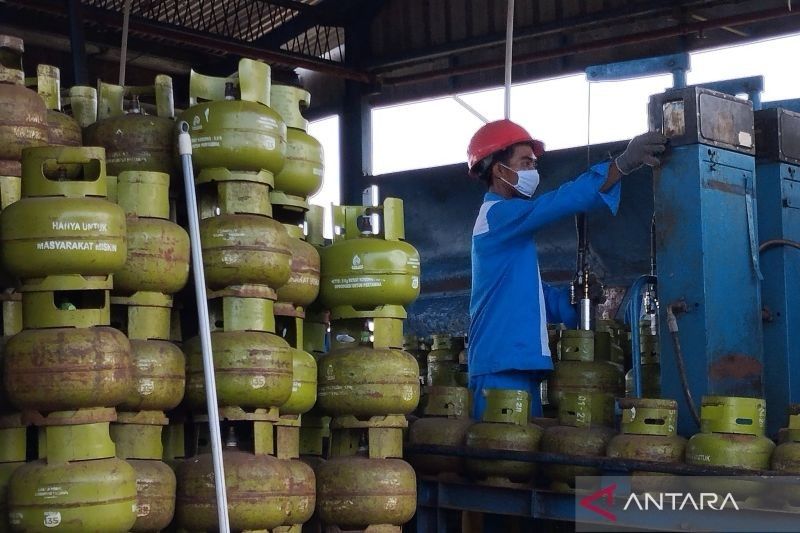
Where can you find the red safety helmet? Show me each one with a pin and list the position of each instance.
(495, 136)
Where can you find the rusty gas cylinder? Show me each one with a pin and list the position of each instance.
(354, 492)
(504, 426)
(649, 433)
(581, 432)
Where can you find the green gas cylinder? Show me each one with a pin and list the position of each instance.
(158, 249)
(354, 492)
(578, 371)
(651, 364)
(137, 437)
(732, 434)
(66, 368)
(23, 114)
(365, 381)
(303, 285)
(443, 365)
(304, 384)
(445, 422)
(649, 433)
(244, 249)
(786, 457)
(159, 376)
(365, 266)
(504, 426)
(582, 431)
(302, 174)
(63, 224)
(257, 485)
(231, 123)
(135, 140)
(253, 369)
(62, 129)
(302, 493)
(79, 486)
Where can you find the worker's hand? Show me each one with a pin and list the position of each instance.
(642, 150)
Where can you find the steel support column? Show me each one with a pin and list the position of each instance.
(80, 71)
(355, 122)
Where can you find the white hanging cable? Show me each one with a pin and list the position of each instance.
(123, 53)
(509, 43)
(469, 108)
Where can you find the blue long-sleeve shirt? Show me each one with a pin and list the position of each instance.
(510, 306)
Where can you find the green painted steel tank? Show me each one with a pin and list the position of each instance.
(63, 224)
(258, 490)
(62, 129)
(156, 486)
(79, 486)
(253, 369)
(245, 249)
(579, 371)
(303, 285)
(304, 384)
(134, 140)
(786, 457)
(504, 426)
(369, 273)
(78, 497)
(582, 431)
(354, 492)
(651, 364)
(445, 422)
(231, 123)
(23, 114)
(732, 434)
(302, 497)
(649, 433)
(68, 368)
(159, 376)
(303, 171)
(158, 249)
(365, 381)
(137, 437)
(443, 365)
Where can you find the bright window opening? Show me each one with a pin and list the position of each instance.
(326, 131)
(436, 132)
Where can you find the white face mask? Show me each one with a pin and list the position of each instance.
(527, 181)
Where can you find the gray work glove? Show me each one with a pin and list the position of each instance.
(642, 150)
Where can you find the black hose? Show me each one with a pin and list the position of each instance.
(672, 325)
(766, 245)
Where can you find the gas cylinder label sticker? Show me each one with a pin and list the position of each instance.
(50, 492)
(210, 141)
(356, 283)
(52, 518)
(80, 246)
(357, 264)
(269, 142)
(317, 171)
(146, 386)
(415, 282)
(258, 382)
(142, 510)
(15, 518)
(68, 225)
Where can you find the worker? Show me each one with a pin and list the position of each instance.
(510, 306)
